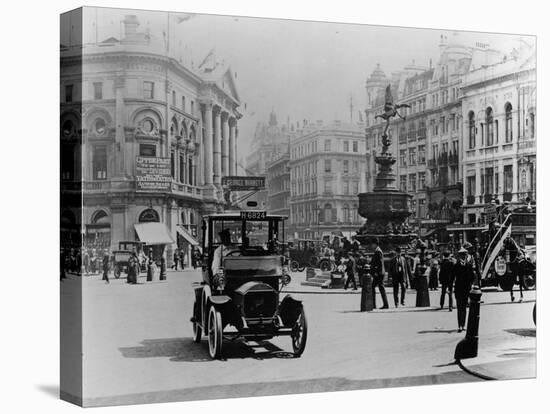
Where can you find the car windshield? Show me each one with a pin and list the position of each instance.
(253, 235)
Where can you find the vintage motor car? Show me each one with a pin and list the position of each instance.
(240, 298)
(122, 255)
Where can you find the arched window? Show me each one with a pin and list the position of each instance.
(508, 122)
(471, 130)
(148, 216)
(174, 128)
(489, 121)
(183, 132)
(100, 217)
(328, 213)
(183, 218)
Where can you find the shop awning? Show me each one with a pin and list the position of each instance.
(188, 237)
(153, 233)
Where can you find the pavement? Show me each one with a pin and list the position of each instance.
(138, 346)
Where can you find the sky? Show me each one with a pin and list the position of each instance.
(299, 69)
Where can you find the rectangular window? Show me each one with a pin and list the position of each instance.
(183, 103)
(421, 180)
(98, 90)
(346, 146)
(508, 179)
(355, 166)
(173, 98)
(327, 145)
(328, 186)
(421, 154)
(412, 156)
(192, 108)
(356, 187)
(355, 146)
(328, 166)
(412, 182)
(148, 90)
(99, 162)
(69, 93)
(147, 150)
(402, 158)
(471, 185)
(345, 166)
(403, 183)
(346, 187)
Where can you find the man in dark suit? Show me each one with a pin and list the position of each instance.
(464, 277)
(378, 271)
(447, 279)
(350, 271)
(399, 271)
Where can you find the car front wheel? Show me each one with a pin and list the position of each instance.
(299, 334)
(197, 330)
(215, 333)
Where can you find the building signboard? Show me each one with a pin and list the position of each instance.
(237, 183)
(153, 174)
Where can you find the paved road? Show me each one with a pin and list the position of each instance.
(138, 346)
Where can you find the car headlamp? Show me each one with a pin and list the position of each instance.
(285, 279)
(219, 279)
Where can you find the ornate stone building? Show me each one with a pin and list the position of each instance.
(439, 161)
(499, 140)
(327, 171)
(127, 101)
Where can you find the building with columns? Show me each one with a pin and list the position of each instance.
(327, 171)
(128, 101)
(499, 140)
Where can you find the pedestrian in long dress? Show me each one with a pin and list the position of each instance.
(446, 278)
(106, 266)
(132, 261)
(464, 277)
(150, 263)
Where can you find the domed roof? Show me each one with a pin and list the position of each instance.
(377, 75)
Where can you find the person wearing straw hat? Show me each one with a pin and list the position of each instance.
(464, 277)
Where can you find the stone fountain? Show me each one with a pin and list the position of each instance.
(386, 208)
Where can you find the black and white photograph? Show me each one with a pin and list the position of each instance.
(256, 206)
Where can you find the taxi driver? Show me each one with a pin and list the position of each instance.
(222, 250)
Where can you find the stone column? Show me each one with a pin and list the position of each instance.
(515, 179)
(225, 144)
(119, 126)
(236, 133)
(217, 148)
(208, 145)
(232, 147)
(478, 183)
